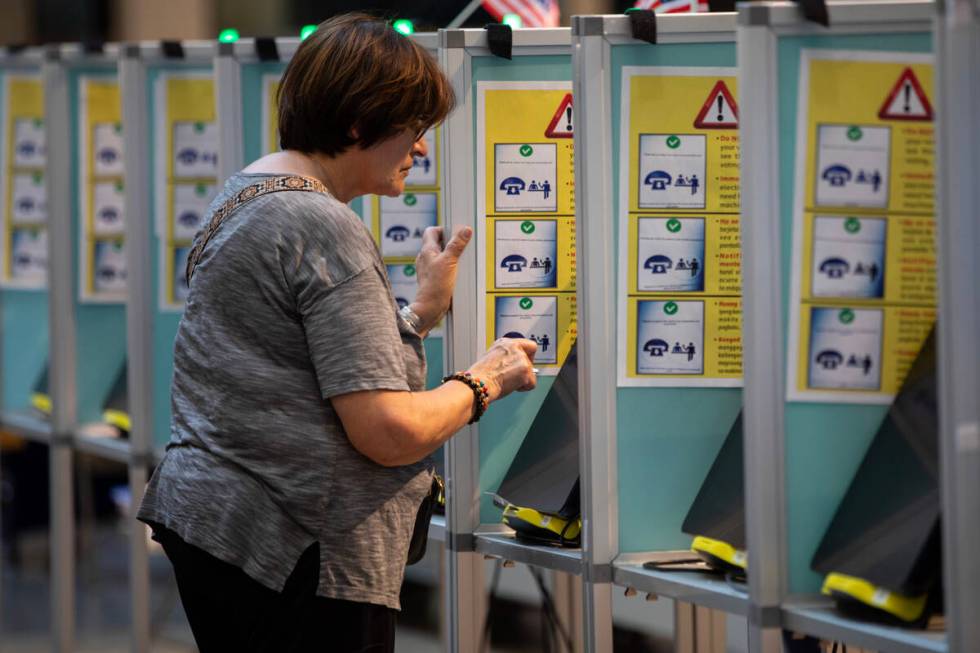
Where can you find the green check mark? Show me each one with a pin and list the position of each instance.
(673, 225)
(846, 316)
(526, 303)
(409, 270)
(410, 200)
(526, 150)
(855, 133)
(527, 227)
(670, 308)
(673, 142)
(852, 225)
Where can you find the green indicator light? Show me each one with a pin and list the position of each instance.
(306, 31)
(229, 35)
(513, 20)
(404, 26)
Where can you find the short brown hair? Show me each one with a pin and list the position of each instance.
(356, 74)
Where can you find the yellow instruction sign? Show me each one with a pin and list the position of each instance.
(187, 172)
(101, 182)
(25, 210)
(863, 293)
(526, 216)
(679, 247)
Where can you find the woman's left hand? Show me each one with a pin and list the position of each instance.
(437, 266)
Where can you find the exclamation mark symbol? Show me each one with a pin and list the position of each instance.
(568, 117)
(908, 97)
(721, 108)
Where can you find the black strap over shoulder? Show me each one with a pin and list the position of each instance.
(643, 24)
(500, 40)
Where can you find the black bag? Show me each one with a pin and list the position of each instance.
(420, 535)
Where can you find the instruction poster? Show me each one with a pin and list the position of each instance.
(102, 259)
(270, 113)
(526, 216)
(24, 193)
(186, 173)
(680, 306)
(397, 223)
(863, 293)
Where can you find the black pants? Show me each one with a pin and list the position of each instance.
(228, 611)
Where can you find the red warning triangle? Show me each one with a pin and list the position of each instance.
(907, 100)
(561, 123)
(719, 110)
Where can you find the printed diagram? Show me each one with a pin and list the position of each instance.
(191, 203)
(526, 177)
(670, 337)
(845, 348)
(195, 149)
(848, 257)
(672, 171)
(30, 202)
(670, 254)
(30, 148)
(29, 256)
(108, 217)
(181, 288)
(526, 253)
(404, 283)
(110, 267)
(423, 172)
(403, 221)
(534, 318)
(107, 150)
(852, 165)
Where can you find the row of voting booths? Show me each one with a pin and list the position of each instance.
(760, 374)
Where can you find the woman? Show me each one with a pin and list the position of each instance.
(301, 434)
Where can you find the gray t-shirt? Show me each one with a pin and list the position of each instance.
(290, 305)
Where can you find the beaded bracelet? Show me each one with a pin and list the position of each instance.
(481, 396)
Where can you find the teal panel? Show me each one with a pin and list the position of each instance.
(824, 442)
(164, 322)
(434, 362)
(667, 438)
(252, 102)
(503, 428)
(25, 344)
(100, 329)
(23, 338)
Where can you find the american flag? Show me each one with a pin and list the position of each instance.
(673, 6)
(533, 13)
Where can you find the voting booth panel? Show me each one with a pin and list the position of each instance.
(838, 135)
(24, 255)
(98, 276)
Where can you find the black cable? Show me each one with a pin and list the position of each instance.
(549, 602)
(488, 621)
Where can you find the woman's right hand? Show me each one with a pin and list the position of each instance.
(507, 366)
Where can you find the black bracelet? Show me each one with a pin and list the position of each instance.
(481, 396)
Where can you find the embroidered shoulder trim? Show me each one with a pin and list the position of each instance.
(244, 196)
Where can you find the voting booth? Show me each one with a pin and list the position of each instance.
(659, 256)
(24, 214)
(839, 257)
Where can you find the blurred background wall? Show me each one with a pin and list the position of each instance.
(52, 21)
